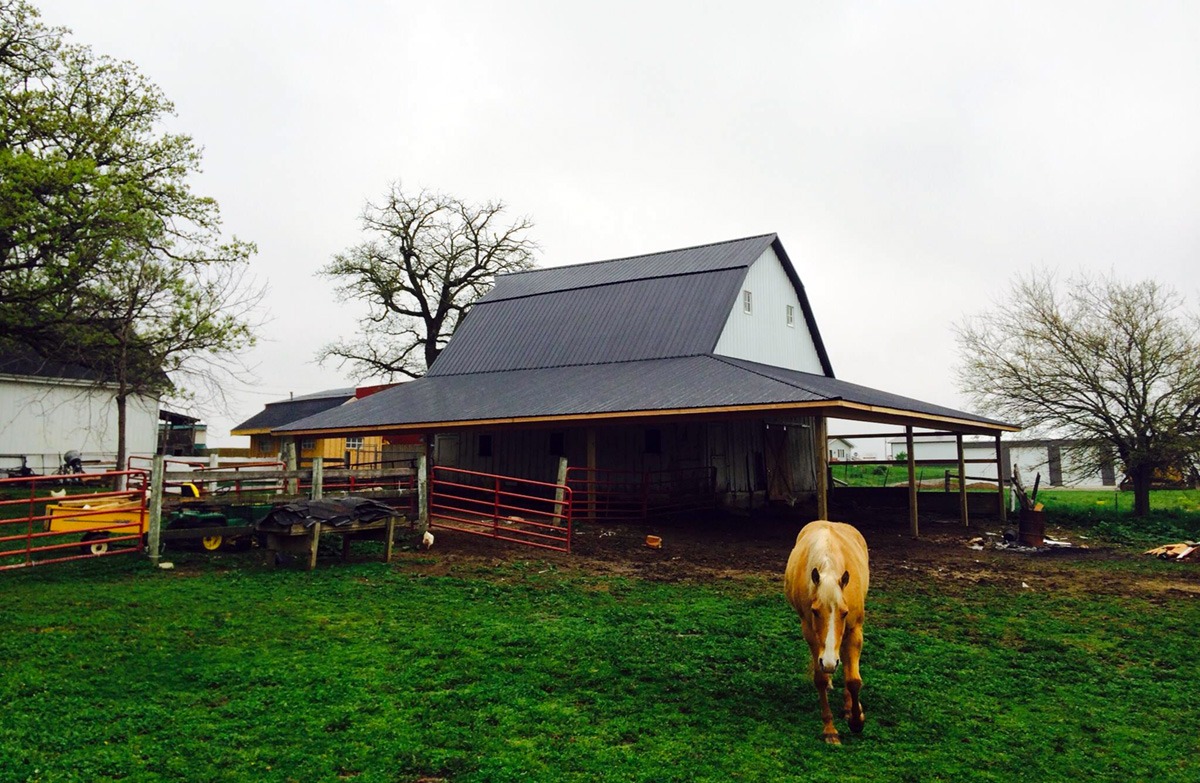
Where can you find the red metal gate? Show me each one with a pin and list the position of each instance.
(533, 513)
(54, 519)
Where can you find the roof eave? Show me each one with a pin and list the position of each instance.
(831, 408)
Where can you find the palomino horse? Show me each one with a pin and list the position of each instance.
(826, 583)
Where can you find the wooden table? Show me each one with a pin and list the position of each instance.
(302, 539)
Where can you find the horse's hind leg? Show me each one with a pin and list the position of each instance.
(822, 682)
(851, 650)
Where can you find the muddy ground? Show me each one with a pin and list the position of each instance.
(731, 548)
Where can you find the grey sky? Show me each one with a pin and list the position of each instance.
(911, 156)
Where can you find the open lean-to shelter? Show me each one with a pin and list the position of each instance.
(702, 367)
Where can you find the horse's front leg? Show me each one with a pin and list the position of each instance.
(822, 682)
(852, 707)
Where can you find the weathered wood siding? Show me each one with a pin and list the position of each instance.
(763, 334)
(735, 449)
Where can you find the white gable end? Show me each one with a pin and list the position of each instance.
(763, 334)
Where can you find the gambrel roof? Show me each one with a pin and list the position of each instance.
(621, 339)
(657, 306)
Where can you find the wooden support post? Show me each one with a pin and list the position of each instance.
(290, 486)
(154, 523)
(591, 472)
(913, 526)
(821, 446)
(312, 549)
(318, 478)
(559, 492)
(962, 482)
(390, 539)
(423, 493)
(214, 462)
(1000, 483)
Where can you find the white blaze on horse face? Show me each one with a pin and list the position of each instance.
(829, 652)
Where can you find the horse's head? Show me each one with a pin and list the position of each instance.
(827, 618)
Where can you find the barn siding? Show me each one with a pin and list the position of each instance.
(735, 449)
(44, 419)
(763, 335)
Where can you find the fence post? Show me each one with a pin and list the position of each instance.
(214, 462)
(318, 478)
(423, 492)
(153, 535)
(559, 491)
(291, 485)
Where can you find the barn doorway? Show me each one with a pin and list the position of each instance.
(778, 463)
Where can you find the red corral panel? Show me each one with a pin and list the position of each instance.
(56, 519)
(517, 510)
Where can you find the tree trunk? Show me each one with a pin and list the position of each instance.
(1141, 490)
(121, 447)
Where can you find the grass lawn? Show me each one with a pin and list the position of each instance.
(522, 669)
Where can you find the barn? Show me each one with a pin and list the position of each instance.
(50, 407)
(703, 364)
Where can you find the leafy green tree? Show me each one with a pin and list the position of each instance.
(1111, 365)
(107, 258)
(426, 259)
(157, 325)
(86, 174)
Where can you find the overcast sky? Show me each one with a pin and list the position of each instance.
(911, 156)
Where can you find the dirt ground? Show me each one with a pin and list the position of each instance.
(715, 549)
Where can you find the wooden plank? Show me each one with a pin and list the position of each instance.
(190, 533)
(312, 549)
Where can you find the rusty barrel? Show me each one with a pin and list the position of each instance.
(1032, 528)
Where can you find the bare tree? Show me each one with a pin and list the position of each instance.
(427, 258)
(1113, 365)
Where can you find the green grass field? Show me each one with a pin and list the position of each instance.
(521, 669)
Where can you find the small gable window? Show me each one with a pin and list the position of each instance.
(791, 316)
(354, 443)
(485, 445)
(653, 441)
(747, 302)
(558, 446)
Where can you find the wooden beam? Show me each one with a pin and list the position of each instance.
(962, 483)
(912, 484)
(1000, 483)
(821, 446)
(831, 408)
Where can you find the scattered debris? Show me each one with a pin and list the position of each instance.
(1178, 551)
(1026, 586)
(654, 542)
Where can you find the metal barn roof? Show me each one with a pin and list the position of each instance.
(654, 306)
(681, 385)
(283, 412)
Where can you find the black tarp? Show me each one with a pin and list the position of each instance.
(333, 512)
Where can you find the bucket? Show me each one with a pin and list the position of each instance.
(654, 542)
(1032, 529)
